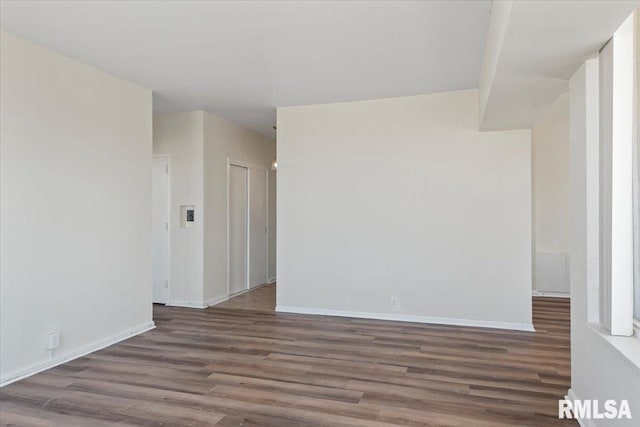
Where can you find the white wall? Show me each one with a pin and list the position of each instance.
(404, 197)
(599, 370)
(225, 140)
(550, 140)
(75, 209)
(180, 135)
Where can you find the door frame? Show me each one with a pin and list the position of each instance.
(168, 157)
(248, 167)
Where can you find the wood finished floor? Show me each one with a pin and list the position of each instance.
(259, 299)
(230, 367)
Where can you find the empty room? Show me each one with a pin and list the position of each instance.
(320, 213)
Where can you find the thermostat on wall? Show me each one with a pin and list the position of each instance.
(187, 215)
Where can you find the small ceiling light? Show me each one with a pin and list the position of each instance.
(274, 164)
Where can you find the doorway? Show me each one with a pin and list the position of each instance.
(160, 229)
(247, 227)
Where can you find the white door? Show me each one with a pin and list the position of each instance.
(160, 229)
(238, 232)
(258, 242)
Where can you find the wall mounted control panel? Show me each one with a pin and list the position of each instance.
(187, 216)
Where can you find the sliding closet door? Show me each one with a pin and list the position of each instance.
(238, 231)
(258, 241)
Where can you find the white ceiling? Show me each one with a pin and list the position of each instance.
(542, 45)
(240, 60)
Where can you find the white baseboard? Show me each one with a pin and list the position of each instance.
(186, 304)
(216, 300)
(408, 318)
(271, 280)
(583, 422)
(550, 294)
(35, 368)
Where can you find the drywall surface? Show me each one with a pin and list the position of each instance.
(180, 135)
(225, 141)
(75, 239)
(598, 369)
(550, 140)
(404, 198)
(551, 174)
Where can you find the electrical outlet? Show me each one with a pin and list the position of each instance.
(53, 340)
(395, 303)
